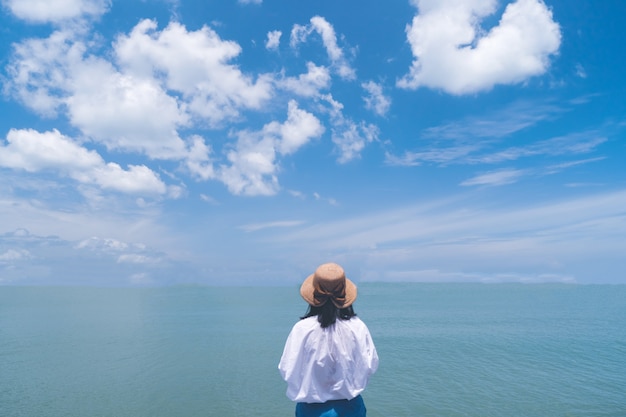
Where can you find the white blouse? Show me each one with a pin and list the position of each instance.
(334, 363)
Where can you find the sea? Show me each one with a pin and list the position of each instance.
(446, 350)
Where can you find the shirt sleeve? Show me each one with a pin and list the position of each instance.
(365, 356)
(289, 358)
(370, 355)
(296, 363)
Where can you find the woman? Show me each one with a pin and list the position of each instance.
(329, 354)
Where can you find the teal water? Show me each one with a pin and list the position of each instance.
(445, 350)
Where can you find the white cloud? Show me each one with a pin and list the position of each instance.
(102, 244)
(121, 111)
(453, 53)
(309, 84)
(297, 194)
(196, 65)
(198, 160)
(349, 137)
(273, 39)
(331, 201)
(20, 233)
(141, 278)
(41, 11)
(58, 234)
(253, 165)
(187, 79)
(123, 252)
(376, 100)
(182, 76)
(299, 128)
(322, 27)
(116, 109)
(250, 1)
(137, 179)
(299, 34)
(209, 199)
(134, 258)
(161, 82)
(33, 151)
(13, 255)
(252, 169)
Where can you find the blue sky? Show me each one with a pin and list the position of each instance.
(163, 142)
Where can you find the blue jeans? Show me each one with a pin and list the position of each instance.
(335, 408)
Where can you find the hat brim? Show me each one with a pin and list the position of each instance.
(307, 291)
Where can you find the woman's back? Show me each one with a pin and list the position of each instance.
(332, 363)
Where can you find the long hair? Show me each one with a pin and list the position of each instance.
(328, 313)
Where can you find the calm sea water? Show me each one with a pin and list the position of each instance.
(445, 350)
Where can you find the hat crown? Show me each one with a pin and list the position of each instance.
(329, 277)
(328, 283)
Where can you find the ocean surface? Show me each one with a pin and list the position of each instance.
(445, 350)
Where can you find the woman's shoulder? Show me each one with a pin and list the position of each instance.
(356, 320)
(355, 323)
(312, 324)
(306, 324)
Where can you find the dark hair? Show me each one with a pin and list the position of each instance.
(327, 314)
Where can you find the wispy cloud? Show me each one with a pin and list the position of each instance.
(513, 118)
(510, 176)
(436, 155)
(480, 140)
(564, 165)
(541, 240)
(34, 259)
(329, 200)
(435, 275)
(270, 225)
(471, 140)
(130, 141)
(323, 28)
(375, 99)
(500, 177)
(572, 144)
(349, 136)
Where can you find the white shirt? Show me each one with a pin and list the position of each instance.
(334, 363)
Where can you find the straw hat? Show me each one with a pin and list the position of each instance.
(329, 282)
